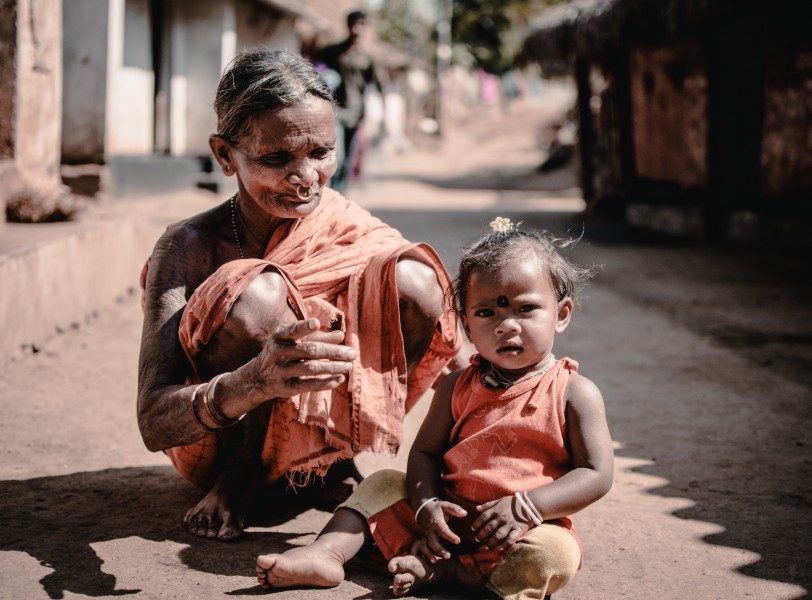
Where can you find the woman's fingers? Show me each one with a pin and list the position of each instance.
(302, 340)
(296, 330)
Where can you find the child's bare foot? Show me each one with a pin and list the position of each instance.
(411, 573)
(299, 567)
(221, 514)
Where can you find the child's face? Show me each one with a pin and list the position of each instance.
(512, 316)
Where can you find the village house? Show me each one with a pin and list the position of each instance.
(695, 116)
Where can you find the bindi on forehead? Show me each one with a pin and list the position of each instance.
(502, 301)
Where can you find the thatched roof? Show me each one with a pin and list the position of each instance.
(588, 27)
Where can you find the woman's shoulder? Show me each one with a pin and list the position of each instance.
(188, 245)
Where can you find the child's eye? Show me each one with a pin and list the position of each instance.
(484, 312)
(527, 308)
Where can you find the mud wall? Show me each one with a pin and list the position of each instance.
(669, 114)
(786, 143)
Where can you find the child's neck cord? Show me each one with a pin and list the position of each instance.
(493, 378)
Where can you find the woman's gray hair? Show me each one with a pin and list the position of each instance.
(259, 80)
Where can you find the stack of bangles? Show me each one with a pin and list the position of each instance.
(218, 418)
(526, 510)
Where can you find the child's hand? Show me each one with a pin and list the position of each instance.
(433, 520)
(498, 526)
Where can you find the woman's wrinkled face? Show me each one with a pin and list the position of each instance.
(287, 148)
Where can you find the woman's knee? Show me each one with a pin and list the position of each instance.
(418, 287)
(260, 309)
(421, 306)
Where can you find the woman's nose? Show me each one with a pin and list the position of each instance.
(305, 173)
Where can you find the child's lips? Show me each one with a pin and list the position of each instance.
(505, 349)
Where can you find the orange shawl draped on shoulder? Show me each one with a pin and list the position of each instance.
(340, 265)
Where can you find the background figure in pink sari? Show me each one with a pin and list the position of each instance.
(511, 447)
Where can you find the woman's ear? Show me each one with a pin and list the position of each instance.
(221, 149)
(564, 315)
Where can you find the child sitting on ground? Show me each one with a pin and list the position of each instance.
(511, 447)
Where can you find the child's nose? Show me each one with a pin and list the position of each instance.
(509, 325)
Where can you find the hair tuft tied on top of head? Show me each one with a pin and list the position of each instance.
(506, 244)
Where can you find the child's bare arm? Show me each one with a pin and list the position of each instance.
(423, 474)
(592, 454)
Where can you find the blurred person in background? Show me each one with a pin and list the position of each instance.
(358, 71)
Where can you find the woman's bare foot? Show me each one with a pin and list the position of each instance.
(303, 566)
(412, 573)
(221, 514)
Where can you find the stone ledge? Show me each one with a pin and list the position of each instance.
(56, 276)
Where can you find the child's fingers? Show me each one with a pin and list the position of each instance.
(455, 510)
(436, 549)
(444, 531)
(510, 540)
(499, 535)
(486, 505)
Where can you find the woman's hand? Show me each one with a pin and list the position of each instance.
(433, 521)
(498, 526)
(299, 358)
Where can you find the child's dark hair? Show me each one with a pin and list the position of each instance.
(495, 250)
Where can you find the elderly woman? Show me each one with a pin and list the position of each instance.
(286, 329)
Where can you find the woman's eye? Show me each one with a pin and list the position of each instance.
(274, 159)
(322, 153)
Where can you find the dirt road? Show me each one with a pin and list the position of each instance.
(702, 354)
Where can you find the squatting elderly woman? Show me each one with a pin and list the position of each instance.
(286, 329)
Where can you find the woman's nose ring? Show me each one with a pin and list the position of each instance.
(304, 193)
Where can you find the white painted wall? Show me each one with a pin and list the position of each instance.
(196, 67)
(130, 80)
(84, 83)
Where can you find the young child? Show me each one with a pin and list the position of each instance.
(511, 447)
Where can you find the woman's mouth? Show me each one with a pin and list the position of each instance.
(300, 200)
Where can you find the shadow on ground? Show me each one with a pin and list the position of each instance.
(56, 520)
(716, 393)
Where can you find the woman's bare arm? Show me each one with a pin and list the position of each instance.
(297, 357)
(176, 267)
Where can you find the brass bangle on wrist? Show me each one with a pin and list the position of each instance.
(211, 406)
(198, 420)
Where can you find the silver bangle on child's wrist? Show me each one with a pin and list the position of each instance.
(424, 505)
